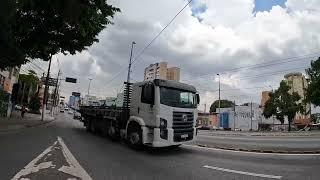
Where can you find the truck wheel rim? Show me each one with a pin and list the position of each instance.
(134, 138)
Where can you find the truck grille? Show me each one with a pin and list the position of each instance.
(182, 125)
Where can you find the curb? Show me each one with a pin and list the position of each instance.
(28, 126)
(261, 150)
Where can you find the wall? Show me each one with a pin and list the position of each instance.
(241, 118)
(208, 119)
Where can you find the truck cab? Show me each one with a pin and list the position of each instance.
(162, 113)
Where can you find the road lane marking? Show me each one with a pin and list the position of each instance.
(246, 152)
(262, 138)
(41, 162)
(75, 168)
(243, 172)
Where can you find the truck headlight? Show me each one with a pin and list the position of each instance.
(163, 123)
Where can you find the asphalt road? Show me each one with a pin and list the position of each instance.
(278, 143)
(64, 150)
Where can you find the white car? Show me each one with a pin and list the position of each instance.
(70, 112)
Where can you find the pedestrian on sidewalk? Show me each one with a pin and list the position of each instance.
(23, 111)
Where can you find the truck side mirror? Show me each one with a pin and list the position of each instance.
(198, 98)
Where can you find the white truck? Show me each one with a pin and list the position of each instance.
(156, 113)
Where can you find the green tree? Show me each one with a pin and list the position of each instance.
(35, 104)
(223, 104)
(313, 91)
(41, 28)
(30, 82)
(283, 104)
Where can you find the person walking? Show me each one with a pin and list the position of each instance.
(23, 111)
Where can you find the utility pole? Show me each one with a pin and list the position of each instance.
(205, 108)
(234, 115)
(55, 100)
(219, 98)
(130, 62)
(127, 90)
(251, 115)
(272, 115)
(90, 79)
(46, 87)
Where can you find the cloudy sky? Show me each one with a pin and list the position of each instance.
(251, 43)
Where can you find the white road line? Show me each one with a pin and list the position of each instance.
(243, 172)
(31, 168)
(246, 152)
(76, 169)
(73, 168)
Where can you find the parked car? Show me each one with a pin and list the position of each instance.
(61, 110)
(18, 107)
(66, 108)
(70, 112)
(203, 127)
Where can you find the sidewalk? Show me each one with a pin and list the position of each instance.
(29, 120)
(266, 133)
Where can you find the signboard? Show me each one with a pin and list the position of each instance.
(76, 94)
(51, 82)
(71, 80)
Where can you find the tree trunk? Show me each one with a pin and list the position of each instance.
(289, 128)
(22, 97)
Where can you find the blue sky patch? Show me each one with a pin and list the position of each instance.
(266, 5)
(197, 9)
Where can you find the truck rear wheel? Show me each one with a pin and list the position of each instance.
(92, 127)
(134, 136)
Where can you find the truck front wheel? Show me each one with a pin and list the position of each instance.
(134, 136)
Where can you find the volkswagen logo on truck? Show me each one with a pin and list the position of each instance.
(184, 118)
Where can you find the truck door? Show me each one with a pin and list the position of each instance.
(146, 109)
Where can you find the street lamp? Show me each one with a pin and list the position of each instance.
(219, 98)
(90, 79)
(130, 62)
(219, 94)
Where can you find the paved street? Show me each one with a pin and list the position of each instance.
(277, 143)
(64, 150)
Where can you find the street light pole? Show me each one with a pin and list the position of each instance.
(130, 62)
(90, 79)
(219, 99)
(272, 115)
(46, 87)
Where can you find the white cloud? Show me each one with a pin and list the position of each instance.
(229, 36)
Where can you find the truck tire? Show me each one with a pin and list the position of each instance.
(134, 136)
(92, 126)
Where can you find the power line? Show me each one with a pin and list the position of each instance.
(265, 64)
(149, 44)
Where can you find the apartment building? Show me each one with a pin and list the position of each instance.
(161, 71)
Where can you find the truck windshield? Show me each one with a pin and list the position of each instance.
(177, 98)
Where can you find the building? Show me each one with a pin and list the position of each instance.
(239, 117)
(8, 78)
(208, 120)
(119, 100)
(299, 84)
(264, 97)
(161, 71)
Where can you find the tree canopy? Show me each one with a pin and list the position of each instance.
(313, 91)
(41, 28)
(223, 104)
(283, 104)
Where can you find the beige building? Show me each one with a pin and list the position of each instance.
(299, 84)
(264, 98)
(161, 71)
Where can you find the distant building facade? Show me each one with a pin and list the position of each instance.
(264, 97)
(239, 117)
(299, 84)
(208, 120)
(161, 71)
